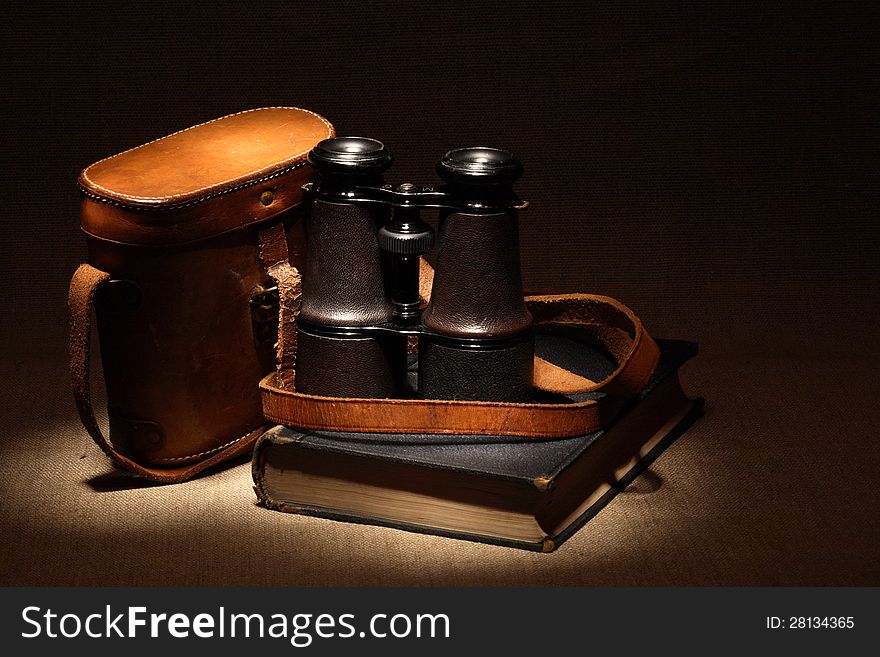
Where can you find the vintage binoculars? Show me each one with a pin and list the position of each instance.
(360, 286)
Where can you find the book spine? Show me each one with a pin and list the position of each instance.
(258, 471)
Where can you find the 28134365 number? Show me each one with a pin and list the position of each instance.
(811, 622)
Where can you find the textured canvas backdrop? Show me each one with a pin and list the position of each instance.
(715, 169)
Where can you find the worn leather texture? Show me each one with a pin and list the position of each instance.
(183, 358)
(187, 350)
(613, 327)
(478, 288)
(215, 177)
(86, 284)
(276, 256)
(342, 280)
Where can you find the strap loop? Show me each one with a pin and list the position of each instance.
(614, 326)
(86, 281)
(273, 253)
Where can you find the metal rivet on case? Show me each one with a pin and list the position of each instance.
(267, 197)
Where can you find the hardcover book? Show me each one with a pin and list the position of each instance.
(520, 493)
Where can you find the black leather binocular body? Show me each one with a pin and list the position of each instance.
(360, 301)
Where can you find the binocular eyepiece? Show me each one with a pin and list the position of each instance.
(361, 303)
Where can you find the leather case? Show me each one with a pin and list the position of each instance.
(188, 240)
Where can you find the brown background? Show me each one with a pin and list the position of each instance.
(716, 170)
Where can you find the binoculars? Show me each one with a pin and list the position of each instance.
(360, 305)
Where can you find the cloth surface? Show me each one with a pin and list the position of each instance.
(715, 170)
(776, 485)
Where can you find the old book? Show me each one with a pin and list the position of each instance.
(526, 494)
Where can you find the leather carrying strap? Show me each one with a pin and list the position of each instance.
(614, 326)
(85, 283)
(273, 253)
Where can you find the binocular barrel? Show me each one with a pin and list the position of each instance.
(483, 347)
(343, 286)
(360, 297)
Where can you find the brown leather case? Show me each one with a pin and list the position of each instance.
(185, 236)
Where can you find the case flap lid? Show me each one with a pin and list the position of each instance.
(207, 160)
